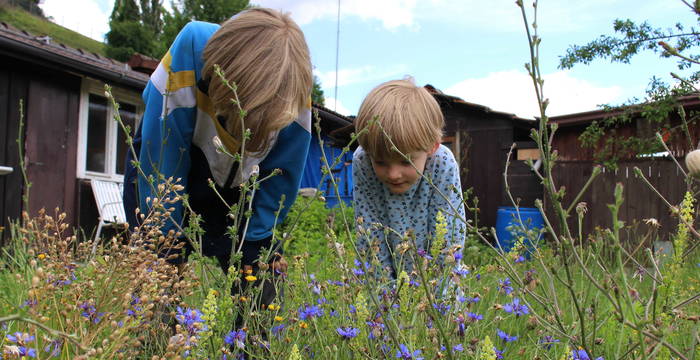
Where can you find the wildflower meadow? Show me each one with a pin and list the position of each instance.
(572, 296)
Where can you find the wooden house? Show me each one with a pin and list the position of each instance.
(67, 132)
(481, 139)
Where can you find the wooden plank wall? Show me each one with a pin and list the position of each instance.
(640, 201)
(13, 87)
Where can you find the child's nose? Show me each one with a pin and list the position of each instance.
(394, 172)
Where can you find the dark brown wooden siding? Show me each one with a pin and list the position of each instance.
(52, 140)
(640, 202)
(13, 87)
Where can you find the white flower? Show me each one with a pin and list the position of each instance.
(218, 144)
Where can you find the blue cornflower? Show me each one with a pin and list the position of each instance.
(458, 255)
(353, 309)
(520, 259)
(277, 330)
(191, 319)
(360, 268)
(236, 338)
(504, 286)
(375, 329)
(90, 312)
(347, 332)
(548, 341)
(461, 271)
(458, 348)
(310, 312)
(582, 355)
(335, 282)
(442, 308)
(20, 338)
(474, 316)
(404, 353)
(54, 348)
(505, 337)
(516, 308)
(424, 254)
(499, 353)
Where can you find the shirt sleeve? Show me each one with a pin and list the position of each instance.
(367, 204)
(449, 199)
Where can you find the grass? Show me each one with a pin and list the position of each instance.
(38, 26)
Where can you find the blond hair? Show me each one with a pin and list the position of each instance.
(409, 115)
(264, 53)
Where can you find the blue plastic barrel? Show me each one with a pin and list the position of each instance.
(509, 228)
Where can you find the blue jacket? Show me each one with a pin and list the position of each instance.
(175, 140)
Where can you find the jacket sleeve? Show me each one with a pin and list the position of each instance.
(168, 124)
(289, 156)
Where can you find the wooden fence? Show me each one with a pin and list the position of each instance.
(640, 201)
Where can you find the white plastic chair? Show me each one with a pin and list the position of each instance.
(108, 196)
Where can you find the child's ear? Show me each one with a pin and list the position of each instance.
(434, 149)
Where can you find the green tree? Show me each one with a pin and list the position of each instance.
(628, 40)
(134, 28)
(317, 96)
(214, 11)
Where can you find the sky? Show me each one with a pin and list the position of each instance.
(472, 49)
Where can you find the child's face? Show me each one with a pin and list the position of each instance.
(399, 175)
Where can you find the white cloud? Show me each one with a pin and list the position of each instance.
(392, 13)
(337, 106)
(350, 76)
(83, 16)
(512, 91)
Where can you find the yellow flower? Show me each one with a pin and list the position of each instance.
(273, 307)
(41, 256)
(250, 278)
(249, 271)
(278, 318)
(303, 324)
(243, 299)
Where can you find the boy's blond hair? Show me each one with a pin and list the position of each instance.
(264, 53)
(409, 115)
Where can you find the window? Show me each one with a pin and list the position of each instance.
(102, 142)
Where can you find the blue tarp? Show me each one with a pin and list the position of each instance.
(342, 172)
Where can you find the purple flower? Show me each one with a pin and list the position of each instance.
(504, 286)
(461, 271)
(54, 348)
(516, 308)
(499, 353)
(458, 255)
(347, 332)
(360, 268)
(309, 312)
(505, 337)
(236, 338)
(191, 319)
(375, 329)
(474, 317)
(582, 355)
(90, 312)
(406, 354)
(548, 341)
(277, 330)
(520, 259)
(20, 338)
(424, 254)
(442, 308)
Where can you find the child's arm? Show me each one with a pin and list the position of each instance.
(289, 155)
(367, 205)
(169, 116)
(447, 181)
